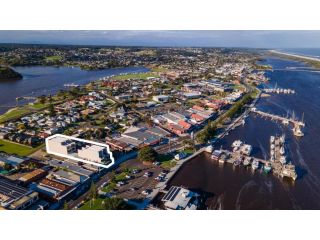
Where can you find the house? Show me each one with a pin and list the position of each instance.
(192, 95)
(161, 98)
(11, 160)
(124, 97)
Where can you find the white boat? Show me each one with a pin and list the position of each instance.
(282, 151)
(247, 161)
(283, 139)
(272, 139)
(297, 132)
(267, 167)
(237, 143)
(255, 164)
(283, 160)
(272, 146)
(272, 152)
(246, 149)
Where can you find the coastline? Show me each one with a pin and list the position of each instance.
(315, 62)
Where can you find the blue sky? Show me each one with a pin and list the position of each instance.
(254, 39)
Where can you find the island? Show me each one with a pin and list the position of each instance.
(7, 73)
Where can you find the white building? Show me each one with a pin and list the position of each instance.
(178, 198)
(61, 145)
(161, 98)
(94, 153)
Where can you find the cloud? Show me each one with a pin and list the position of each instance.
(259, 39)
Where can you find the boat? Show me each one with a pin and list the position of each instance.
(255, 164)
(272, 146)
(283, 160)
(272, 159)
(272, 152)
(297, 132)
(272, 138)
(247, 161)
(283, 139)
(237, 162)
(267, 167)
(282, 151)
(246, 149)
(289, 170)
(237, 143)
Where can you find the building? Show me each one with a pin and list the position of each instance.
(11, 160)
(13, 196)
(192, 95)
(61, 145)
(178, 198)
(94, 153)
(33, 176)
(161, 98)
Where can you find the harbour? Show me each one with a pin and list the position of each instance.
(236, 186)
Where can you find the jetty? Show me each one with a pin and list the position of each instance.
(279, 90)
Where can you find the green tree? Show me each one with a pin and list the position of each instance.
(42, 99)
(65, 206)
(93, 192)
(7, 167)
(147, 154)
(52, 111)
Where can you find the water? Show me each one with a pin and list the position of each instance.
(41, 80)
(309, 52)
(239, 188)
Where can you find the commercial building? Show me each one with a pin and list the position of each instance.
(94, 153)
(178, 198)
(61, 145)
(13, 196)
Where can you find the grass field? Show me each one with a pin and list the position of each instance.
(53, 58)
(95, 204)
(16, 112)
(13, 148)
(136, 76)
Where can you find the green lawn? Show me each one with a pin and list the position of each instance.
(167, 161)
(93, 205)
(136, 75)
(13, 148)
(53, 58)
(16, 112)
(39, 105)
(109, 187)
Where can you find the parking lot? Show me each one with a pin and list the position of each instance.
(135, 187)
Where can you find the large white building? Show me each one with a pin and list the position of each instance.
(94, 153)
(61, 145)
(161, 98)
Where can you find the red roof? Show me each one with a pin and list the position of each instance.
(184, 124)
(196, 107)
(197, 117)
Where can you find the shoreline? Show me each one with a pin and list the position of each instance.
(296, 56)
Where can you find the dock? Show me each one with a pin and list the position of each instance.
(279, 90)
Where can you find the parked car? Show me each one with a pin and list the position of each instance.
(147, 174)
(146, 191)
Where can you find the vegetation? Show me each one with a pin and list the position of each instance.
(136, 76)
(147, 154)
(13, 113)
(8, 73)
(14, 148)
(106, 204)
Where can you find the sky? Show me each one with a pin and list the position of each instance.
(252, 39)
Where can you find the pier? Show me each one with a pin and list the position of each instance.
(279, 90)
(284, 120)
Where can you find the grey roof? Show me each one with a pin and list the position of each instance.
(72, 167)
(12, 160)
(12, 190)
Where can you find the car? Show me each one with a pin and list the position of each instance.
(147, 174)
(133, 189)
(164, 172)
(135, 171)
(156, 163)
(121, 183)
(146, 191)
(128, 177)
(159, 178)
(163, 175)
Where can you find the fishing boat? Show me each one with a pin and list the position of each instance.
(247, 161)
(255, 164)
(267, 167)
(282, 151)
(236, 143)
(283, 160)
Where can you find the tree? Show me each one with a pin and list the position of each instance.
(65, 206)
(147, 154)
(7, 167)
(42, 99)
(93, 193)
(115, 204)
(52, 111)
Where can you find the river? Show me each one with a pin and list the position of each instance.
(239, 188)
(42, 80)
